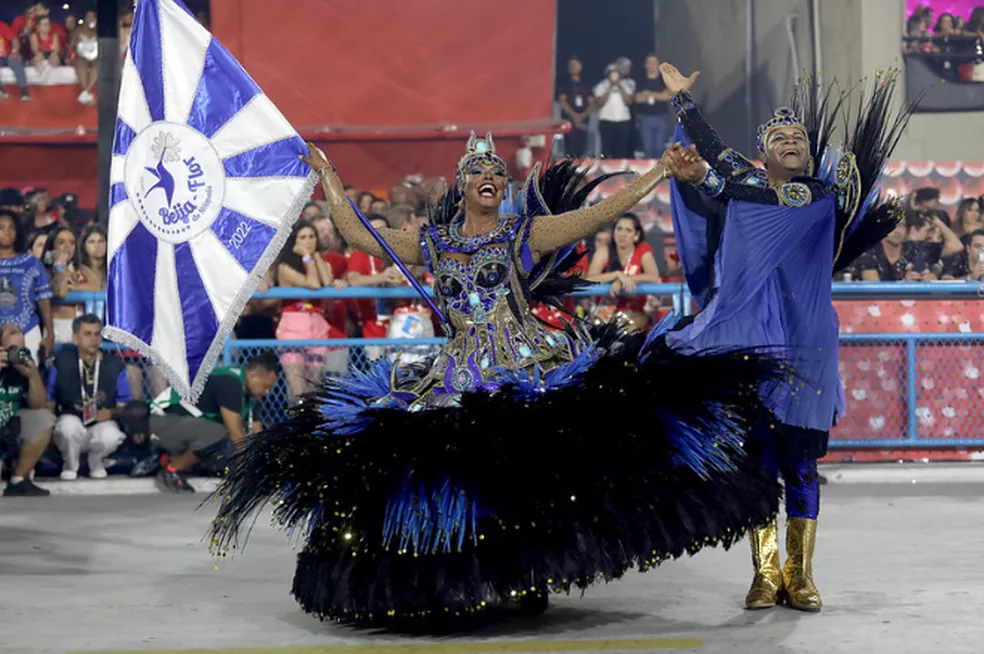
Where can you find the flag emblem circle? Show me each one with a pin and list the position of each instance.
(175, 181)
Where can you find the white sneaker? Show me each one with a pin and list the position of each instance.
(97, 468)
(69, 475)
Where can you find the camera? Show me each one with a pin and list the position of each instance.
(18, 356)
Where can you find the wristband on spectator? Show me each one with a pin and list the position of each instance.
(59, 268)
(307, 259)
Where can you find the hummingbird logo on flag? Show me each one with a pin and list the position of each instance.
(168, 148)
(206, 185)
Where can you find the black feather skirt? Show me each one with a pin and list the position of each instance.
(629, 456)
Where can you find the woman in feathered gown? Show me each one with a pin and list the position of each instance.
(498, 473)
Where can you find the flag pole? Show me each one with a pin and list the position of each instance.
(399, 263)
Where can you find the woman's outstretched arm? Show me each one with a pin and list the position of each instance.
(405, 243)
(549, 233)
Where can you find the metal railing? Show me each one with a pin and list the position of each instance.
(904, 425)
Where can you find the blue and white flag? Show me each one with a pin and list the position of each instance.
(205, 188)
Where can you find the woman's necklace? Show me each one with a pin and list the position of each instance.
(478, 240)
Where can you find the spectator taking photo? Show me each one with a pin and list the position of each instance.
(25, 421)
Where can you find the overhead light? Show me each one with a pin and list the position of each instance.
(65, 6)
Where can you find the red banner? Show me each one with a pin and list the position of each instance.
(391, 62)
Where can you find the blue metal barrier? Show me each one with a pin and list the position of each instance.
(905, 432)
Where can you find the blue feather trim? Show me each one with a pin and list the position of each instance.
(426, 521)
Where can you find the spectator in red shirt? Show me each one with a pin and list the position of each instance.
(331, 246)
(27, 23)
(627, 260)
(46, 45)
(10, 57)
(367, 270)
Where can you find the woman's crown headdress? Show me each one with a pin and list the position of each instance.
(478, 150)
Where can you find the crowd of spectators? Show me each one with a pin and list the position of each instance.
(928, 245)
(633, 116)
(59, 47)
(72, 401)
(954, 43)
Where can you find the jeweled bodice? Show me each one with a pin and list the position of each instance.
(491, 328)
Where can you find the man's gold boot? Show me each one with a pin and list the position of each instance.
(767, 583)
(799, 590)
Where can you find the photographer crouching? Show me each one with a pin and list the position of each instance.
(25, 421)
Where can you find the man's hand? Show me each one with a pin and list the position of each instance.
(102, 415)
(674, 79)
(27, 369)
(48, 343)
(684, 164)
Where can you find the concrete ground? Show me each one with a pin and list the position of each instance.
(900, 567)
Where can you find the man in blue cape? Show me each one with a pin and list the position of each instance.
(758, 247)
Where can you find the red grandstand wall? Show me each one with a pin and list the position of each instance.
(392, 62)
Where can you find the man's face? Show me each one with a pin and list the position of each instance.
(326, 234)
(652, 65)
(401, 194)
(574, 67)
(974, 250)
(625, 68)
(919, 234)
(310, 213)
(897, 235)
(259, 381)
(42, 201)
(89, 338)
(377, 206)
(788, 149)
(11, 334)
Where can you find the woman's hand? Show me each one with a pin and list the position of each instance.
(622, 284)
(674, 79)
(300, 249)
(316, 158)
(394, 276)
(684, 164)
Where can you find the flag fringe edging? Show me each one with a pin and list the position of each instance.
(270, 254)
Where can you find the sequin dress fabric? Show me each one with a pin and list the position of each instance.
(482, 287)
(522, 461)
